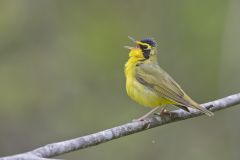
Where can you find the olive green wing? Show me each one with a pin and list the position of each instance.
(156, 79)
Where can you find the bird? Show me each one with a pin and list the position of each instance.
(151, 86)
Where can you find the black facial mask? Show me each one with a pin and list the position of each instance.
(146, 53)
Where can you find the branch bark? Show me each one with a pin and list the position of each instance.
(59, 148)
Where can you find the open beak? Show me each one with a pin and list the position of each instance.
(134, 41)
(128, 47)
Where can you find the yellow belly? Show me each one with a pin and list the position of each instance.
(138, 92)
(143, 95)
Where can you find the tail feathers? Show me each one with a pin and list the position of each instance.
(204, 110)
(192, 104)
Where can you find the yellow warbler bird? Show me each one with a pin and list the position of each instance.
(150, 85)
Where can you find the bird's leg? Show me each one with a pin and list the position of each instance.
(163, 111)
(146, 115)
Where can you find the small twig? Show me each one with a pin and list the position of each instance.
(59, 148)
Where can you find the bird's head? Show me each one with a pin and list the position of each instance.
(143, 50)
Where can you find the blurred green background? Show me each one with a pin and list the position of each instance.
(61, 68)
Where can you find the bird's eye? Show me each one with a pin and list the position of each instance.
(143, 47)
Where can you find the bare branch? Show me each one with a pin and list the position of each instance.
(59, 148)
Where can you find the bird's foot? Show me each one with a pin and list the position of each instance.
(146, 115)
(163, 112)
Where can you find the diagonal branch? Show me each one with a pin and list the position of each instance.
(59, 148)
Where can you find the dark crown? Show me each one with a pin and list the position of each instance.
(149, 41)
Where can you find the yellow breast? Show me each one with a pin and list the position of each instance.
(138, 92)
